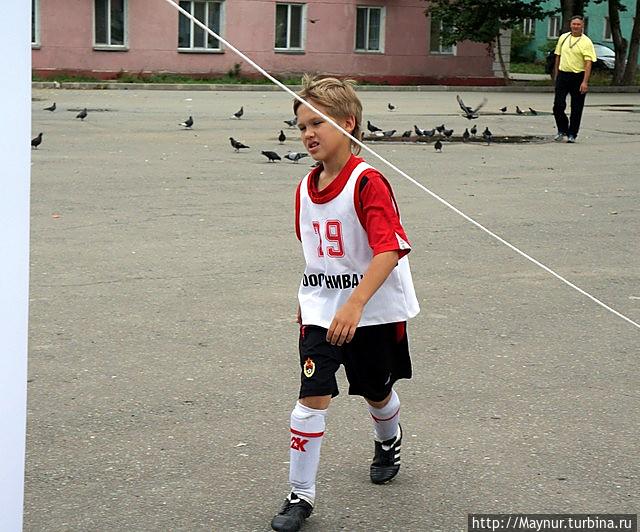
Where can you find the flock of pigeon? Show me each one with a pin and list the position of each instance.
(36, 141)
(440, 132)
(271, 156)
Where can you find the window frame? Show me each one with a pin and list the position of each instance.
(35, 24)
(607, 30)
(381, 35)
(529, 26)
(558, 27)
(303, 28)
(441, 50)
(125, 29)
(203, 49)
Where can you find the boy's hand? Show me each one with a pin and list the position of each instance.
(344, 324)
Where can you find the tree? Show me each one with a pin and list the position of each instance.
(482, 21)
(619, 42)
(632, 60)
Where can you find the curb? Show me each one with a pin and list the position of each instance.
(74, 85)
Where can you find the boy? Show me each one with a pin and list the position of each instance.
(355, 296)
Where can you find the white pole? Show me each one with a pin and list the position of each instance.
(15, 130)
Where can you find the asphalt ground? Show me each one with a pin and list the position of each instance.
(163, 348)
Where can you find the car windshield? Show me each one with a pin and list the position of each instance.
(603, 51)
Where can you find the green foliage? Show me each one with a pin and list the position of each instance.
(548, 46)
(481, 20)
(519, 46)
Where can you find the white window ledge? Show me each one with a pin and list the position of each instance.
(107, 48)
(200, 51)
(291, 51)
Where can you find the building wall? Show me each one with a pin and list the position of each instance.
(66, 42)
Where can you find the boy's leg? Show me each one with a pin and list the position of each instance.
(319, 362)
(387, 438)
(307, 431)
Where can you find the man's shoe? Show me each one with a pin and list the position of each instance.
(571, 139)
(559, 137)
(386, 461)
(292, 515)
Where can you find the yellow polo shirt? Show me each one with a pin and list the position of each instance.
(574, 51)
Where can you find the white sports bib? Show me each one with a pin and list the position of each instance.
(337, 254)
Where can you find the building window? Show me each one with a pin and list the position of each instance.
(435, 40)
(553, 31)
(35, 22)
(110, 22)
(289, 26)
(192, 36)
(528, 26)
(369, 22)
(607, 36)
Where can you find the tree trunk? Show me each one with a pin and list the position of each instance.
(629, 77)
(505, 74)
(566, 8)
(619, 42)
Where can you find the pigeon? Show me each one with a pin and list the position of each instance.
(35, 142)
(447, 133)
(372, 128)
(295, 156)
(419, 132)
(292, 122)
(238, 114)
(474, 130)
(82, 114)
(466, 135)
(440, 128)
(469, 112)
(406, 134)
(236, 144)
(519, 111)
(271, 155)
(429, 132)
(533, 111)
(389, 133)
(391, 107)
(282, 137)
(487, 135)
(187, 123)
(438, 146)
(51, 108)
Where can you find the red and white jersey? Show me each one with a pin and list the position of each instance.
(341, 228)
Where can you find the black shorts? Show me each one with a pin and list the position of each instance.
(376, 357)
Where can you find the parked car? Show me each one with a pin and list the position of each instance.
(606, 59)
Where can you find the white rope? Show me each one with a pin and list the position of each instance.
(394, 167)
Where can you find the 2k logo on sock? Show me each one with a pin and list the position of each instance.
(297, 444)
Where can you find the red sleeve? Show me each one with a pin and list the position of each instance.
(298, 212)
(379, 215)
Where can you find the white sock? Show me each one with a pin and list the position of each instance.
(386, 419)
(307, 430)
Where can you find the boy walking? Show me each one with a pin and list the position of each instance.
(355, 295)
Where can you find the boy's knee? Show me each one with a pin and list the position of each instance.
(317, 402)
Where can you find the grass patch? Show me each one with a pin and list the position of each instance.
(527, 68)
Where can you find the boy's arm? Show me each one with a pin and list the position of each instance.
(346, 320)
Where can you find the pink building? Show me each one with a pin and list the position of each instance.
(378, 40)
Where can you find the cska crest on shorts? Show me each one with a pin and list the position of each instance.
(309, 368)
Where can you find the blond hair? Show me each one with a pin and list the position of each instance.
(337, 96)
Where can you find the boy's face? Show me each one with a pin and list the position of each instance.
(321, 139)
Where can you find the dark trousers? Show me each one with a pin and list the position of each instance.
(568, 83)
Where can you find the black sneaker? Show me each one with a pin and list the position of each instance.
(386, 461)
(292, 515)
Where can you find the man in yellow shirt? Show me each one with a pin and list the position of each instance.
(575, 55)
